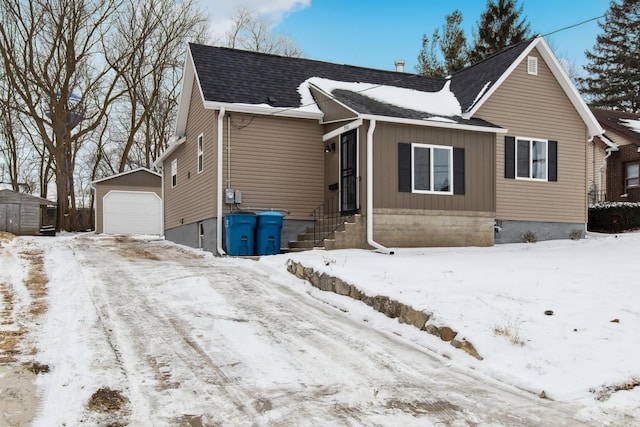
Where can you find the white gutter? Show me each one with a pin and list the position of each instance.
(349, 126)
(219, 218)
(370, 241)
(265, 109)
(433, 123)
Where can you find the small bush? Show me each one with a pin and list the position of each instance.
(614, 217)
(575, 234)
(529, 237)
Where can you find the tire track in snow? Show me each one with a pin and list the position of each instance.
(335, 367)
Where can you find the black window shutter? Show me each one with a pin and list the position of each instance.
(553, 160)
(510, 157)
(458, 170)
(404, 167)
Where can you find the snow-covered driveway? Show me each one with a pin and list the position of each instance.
(192, 340)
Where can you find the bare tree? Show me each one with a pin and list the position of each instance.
(49, 49)
(84, 73)
(253, 32)
(149, 42)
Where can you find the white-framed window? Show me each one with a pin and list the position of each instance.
(174, 173)
(631, 175)
(532, 159)
(432, 167)
(200, 153)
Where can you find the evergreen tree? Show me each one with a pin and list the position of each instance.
(451, 47)
(614, 61)
(500, 26)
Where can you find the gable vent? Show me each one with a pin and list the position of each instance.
(532, 65)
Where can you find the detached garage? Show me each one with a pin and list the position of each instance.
(129, 203)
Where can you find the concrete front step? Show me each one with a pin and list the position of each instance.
(301, 244)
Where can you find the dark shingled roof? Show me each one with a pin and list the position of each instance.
(610, 120)
(466, 84)
(237, 76)
(364, 104)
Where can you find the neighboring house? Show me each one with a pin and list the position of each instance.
(129, 203)
(495, 151)
(614, 159)
(22, 214)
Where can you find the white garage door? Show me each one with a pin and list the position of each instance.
(131, 212)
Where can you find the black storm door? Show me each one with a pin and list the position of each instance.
(348, 173)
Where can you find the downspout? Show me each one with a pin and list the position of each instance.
(219, 218)
(604, 164)
(370, 241)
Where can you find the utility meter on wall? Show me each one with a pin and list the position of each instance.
(232, 196)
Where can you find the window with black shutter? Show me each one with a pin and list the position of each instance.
(430, 169)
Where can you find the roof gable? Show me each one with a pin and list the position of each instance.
(140, 171)
(480, 77)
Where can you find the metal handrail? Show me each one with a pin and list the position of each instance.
(327, 219)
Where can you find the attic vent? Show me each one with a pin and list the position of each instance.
(532, 65)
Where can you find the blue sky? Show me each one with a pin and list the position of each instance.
(374, 33)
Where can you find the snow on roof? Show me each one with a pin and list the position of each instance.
(443, 102)
(609, 142)
(634, 125)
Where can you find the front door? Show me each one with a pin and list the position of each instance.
(348, 173)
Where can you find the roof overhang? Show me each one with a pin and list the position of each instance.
(97, 181)
(265, 110)
(434, 123)
(569, 89)
(170, 149)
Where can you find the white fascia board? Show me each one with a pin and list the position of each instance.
(342, 129)
(330, 96)
(572, 93)
(170, 149)
(125, 173)
(612, 145)
(565, 82)
(294, 112)
(184, 101)
(499, 82)
(434, 124)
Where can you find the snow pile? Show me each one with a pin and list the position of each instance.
(634, 125)
(443, 102)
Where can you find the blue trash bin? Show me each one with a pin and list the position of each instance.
(268, 230)
(240, 230)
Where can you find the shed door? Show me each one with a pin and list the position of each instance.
(131, 212)
(10, 218)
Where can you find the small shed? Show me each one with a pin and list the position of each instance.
(22, 214)
(129, 203)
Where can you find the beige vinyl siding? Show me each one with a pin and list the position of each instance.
(536, 106)
(193, 198)
(277, 163)
(479, 168)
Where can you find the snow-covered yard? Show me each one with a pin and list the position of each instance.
(561, 317)
(185, 338)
